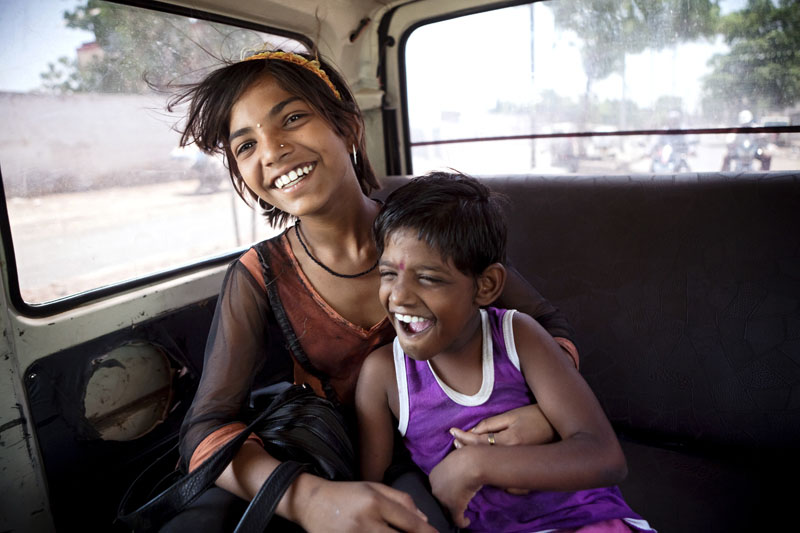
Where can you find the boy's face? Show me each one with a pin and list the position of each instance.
(430, 303)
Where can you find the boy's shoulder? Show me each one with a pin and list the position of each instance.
(377, 378)
(382, 352)
(528, 331)
(517, 318)
(378, 362)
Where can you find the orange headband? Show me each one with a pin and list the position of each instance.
(308, 64)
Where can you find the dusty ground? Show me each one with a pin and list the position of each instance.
(72, 242)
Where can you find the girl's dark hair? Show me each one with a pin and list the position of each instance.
(453, 213)
(211, 100)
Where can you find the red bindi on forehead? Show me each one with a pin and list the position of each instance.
(402, 265)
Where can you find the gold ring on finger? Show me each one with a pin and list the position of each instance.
(491, 439)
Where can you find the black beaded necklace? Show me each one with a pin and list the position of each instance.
(320, 263)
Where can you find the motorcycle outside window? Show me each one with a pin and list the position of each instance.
(612, 88)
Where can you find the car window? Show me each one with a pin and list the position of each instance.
(97, 189)
(611, 88)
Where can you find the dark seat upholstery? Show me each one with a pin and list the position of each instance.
(684, 293)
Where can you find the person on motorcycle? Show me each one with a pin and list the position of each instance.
(743, 148)
(671, 150)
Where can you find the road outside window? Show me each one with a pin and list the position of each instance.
(97, 189)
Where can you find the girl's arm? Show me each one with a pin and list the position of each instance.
(588, 454)
(316, 504)
(523, 425)
(319, 505)
(236, 351)
(376, 385)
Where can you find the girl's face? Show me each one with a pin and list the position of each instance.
(286, 153)
(430, 303)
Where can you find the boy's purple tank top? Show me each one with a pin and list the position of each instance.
(429, 408)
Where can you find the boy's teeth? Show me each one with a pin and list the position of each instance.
(413, 324)
(408, 318)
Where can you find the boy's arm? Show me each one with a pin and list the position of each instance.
(376, 385)
(588, 454)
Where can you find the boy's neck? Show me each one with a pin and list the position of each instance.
(462, 369)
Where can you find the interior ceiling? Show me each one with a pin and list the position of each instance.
(328, 23)
(318, 19)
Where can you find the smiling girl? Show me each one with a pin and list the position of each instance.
(293, 139)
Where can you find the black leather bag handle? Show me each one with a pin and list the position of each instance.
(262, 507)
(167, 504)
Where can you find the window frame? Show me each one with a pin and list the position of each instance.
(408, 144)
(401, 65)
(67, 303)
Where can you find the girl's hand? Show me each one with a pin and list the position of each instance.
(523, 425)
(360, 506)
(454, 483)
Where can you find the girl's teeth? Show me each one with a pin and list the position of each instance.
(292, 175)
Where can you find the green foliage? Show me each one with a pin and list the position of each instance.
(610, 29)
(761, 72)
(138, 45)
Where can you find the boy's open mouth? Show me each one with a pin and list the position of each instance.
(413, 324)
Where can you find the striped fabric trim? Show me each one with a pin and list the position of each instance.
(487, 383)
(508, 337)
(402, 387)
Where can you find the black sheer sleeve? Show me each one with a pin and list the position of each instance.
(519, 294)
(237, 348)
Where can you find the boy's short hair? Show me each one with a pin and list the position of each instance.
(454, 213)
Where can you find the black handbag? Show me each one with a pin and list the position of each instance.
(304, 431)
(298, 427)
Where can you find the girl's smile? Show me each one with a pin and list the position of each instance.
(293, 176)
(285, 152)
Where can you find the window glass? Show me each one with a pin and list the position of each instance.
(97, 189)
(555, 68)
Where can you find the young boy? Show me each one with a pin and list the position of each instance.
(453, 363)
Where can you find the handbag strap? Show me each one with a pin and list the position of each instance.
(178, 496)
(286, 327)
(263, 505)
